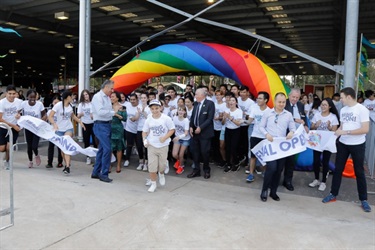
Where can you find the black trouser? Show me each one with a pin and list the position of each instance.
(200, 149)
(32, 141)
(89, 132)
(273, 174)
(142, 151)
(131, 138)
(216, 147)
(51, 152)
(324, 161)
(357, 153)
(289, 168)
(243, 149)
(232, 138)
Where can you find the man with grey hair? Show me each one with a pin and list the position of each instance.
(102, 115)
(294, 106)
(201, 130)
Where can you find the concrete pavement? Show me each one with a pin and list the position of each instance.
(54, 211)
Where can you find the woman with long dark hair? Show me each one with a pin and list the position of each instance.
(327, 120)
(36, 109)
(84, 112)
(63, 125)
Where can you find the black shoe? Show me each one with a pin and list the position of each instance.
(195, 173)
(94, 176)
(235, 168)
(288, 185)
(207, 175)
(49, 166)
(105, 179)
(263, 195)
(222, 164)
(227, 168)
(275, 197)
(66, 170)
(60, 165)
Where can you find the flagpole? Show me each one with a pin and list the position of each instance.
(359, 65)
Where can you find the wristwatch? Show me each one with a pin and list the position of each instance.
(348, 132)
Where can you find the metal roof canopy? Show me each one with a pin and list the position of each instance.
(314, 27)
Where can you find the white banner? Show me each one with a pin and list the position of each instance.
(280, 147)
(320, 140)
(45, 131)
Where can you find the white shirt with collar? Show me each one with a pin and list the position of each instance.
(102, 107)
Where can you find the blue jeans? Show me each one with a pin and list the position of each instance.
(102, 131)
(358, 155)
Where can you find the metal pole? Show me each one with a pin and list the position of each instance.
(11, 190)
(88, 44)
(358, 67)
(191, 17)
(352, 10)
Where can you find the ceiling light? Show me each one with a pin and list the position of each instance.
(12, 24)
(159, 26)
(95, 1)
(142, 38)
(301, 67)
(274, 8)
(115, 53)
(283, 56)
(68, 35)
(372, 41)
(191, 38)
(287, 27)
(268, 1)
(69, 46)
(304, 72)
(32, 28)
(109, 8)
(252, 30)
(146, 20)
(18, 61)
(12, 51)
(280, 15)
(62, 15)
(128, 15)
(210, 1)
(266, 46)
(62, 57)
(28, 67)
(170, 31)
(294, 56)
(284, 22)
(52, 32)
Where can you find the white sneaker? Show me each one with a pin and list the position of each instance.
(152, 187)
(6, 165)
(315, 183)
(126, 163)
(148, 182)
(37, 160)
(140, 167)
(322, 187)
(30, 165)
(161, 179)
(166, 171)
(145, 167)
(88, 160)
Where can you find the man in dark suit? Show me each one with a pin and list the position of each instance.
(294, 106)
(201, 130)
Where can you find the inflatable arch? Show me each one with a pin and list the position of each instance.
(212, 58)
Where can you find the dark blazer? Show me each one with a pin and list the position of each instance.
(206, 118)
(301, 110)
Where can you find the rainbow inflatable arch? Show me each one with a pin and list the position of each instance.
(211, 58)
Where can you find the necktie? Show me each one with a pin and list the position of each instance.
(197, 115)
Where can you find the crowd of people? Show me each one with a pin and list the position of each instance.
(220, 125)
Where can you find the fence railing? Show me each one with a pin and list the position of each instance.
(370, 148)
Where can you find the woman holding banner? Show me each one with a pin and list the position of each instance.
(63, 125)
(327, 120)
(275, 123)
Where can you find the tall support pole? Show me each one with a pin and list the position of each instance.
(351, 36)
(82, 53)
(88, 44)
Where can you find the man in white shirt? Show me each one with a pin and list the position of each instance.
(354, 125)
(102, 115)
(10, 107)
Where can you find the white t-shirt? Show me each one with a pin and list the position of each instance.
(351, 118)
(124, 105)
(181, 126)
(189, 113)
(34, 111)
(237, 114)
(219, 108)
(245, 106)
(370, 105)
(86, 109)
(324, 121)
(142, 117)
(63, 116)
(54, 116)
(10, 109)
(257, 114)
(173, 103)
(131, 111)
(157, 128)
